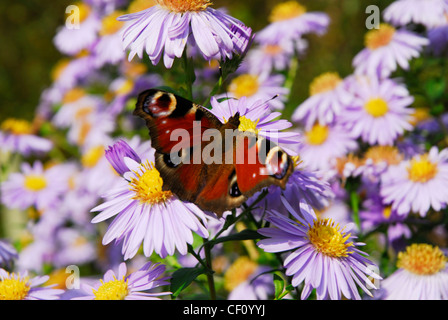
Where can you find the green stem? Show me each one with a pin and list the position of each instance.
(208, 261)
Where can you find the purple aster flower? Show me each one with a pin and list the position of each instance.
(289, 21)
(71, 40)
(73, 247)
(244, 280)
(147, 213)
(429, 13)
(124, 286)
(422, 275)
(418, 184)
(166, 28)
(438, 38)
(7, 253)
(324, 256)
(321, 145)
(379, 111)
(387, 47)
(261, 88)
(18, 135)
(116, 153)
(22, 287)
(257, 117)
(35, 186)
(329, 96)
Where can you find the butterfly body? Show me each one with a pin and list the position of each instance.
(205, 161)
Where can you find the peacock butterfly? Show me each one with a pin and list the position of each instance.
(215, 165)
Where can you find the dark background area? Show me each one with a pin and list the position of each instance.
(27, 52)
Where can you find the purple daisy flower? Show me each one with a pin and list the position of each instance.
(438, 38)
(430, 13)
(379, 111)
(387, 47)
(17, 135)
(329, 96)
(146, 213)
(418, 184)
(258, 118)
(166, 28)
(323, 255)
(22, 287)
(290, 20)
(7, 253)
(124, 286)
(422, 275)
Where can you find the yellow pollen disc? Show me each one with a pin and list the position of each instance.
(125, 88)
(112, 290)
(296, 161)
(325, 82)
(377, 38)
(73, 95)
(84, 131)
(245, 85)
(419, 115)
(317, 135)
(59, 68)
(328, 239)
(140, 5)
(376, 107)
(286, 10)
(35, 182)
(16, 126)
(422, 170)
(387, 211)
(82, 113)
(110, 24)
(147, 185)
(14, 288)
(247, 124)
(239, 272)
(58, 278)
(92, 156)
(272, 49)
(84, 11)
(388, 154)
(181, 6)
(422, 259)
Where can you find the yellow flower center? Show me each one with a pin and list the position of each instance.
(387, 211)
(16, 126)
(59, 68)
(84, 11)
(125, 88)
(247, 124)
(140, 5)
(388, 154)
(286, 10)
(272, 49)
(14, 288)
(325, 82)
(245, 85)
(112, 290)
(147, 185)
(376, 107)
(317, 135)
(181, 6)
(82, 113)
(296, 161)
(35, 182)
(239, 272)
(381, 37)
(92, 156)
(419, 115)
(422, 170)
(327, 238)
(73, 95)
(110, 24)
(84, 131)
(422, 259)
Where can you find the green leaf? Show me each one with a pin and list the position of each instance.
(182, 278)
(279, 285)
(246, 234)
(435, 88)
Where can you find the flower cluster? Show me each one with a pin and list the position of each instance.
(366, 202)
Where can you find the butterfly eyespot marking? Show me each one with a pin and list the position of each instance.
(277, 163)
(234, 190)
(159, 104)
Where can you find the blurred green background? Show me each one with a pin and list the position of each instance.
(28, 54)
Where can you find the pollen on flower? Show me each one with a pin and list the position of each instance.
(147, 185)
(422, 259)
(59, 68)
(84, 11)
(140, 5)
(245, 85)
(247, 124)
(239, 272)
(181, 6)
(387, 211)
(272, 49)
(110, 24)
(421, 170)
(92, 156)
(14, 287)
(73, 95)
(35, 182)
(112, 290)
(16, 126)
(376, 107)
(388, 154)
(381, 37)
(317, 135)
(325, 82)
(286, 10)
(328, 238)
